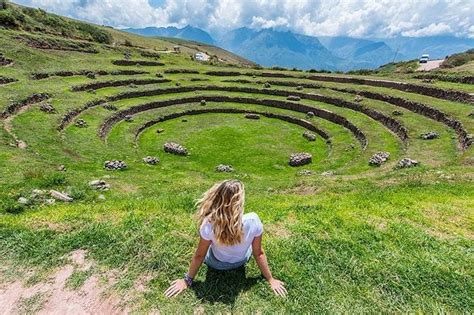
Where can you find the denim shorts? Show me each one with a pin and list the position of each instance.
(214, 263)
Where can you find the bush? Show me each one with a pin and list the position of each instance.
(11, 206)
(102, 37)
(457, 60)
(7, 19)
(52, 180)
(3, 4)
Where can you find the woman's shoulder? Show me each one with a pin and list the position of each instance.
(253, 223)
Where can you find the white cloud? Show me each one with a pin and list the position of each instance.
(358, 18)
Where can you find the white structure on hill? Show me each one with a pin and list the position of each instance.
(200, 56)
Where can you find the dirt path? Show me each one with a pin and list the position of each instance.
(430, 65)
(52, 296)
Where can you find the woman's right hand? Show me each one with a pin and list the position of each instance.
(278, 287)
(176, 288)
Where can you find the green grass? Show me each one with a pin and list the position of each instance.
(364, 240)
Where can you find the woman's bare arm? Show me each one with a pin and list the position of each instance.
(262, 263)
(180, 285)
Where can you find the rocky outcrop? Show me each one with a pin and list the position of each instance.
(115, 165)
(309, 136)
(151, 160)
(379, 158)
(293, 98)
(61, 196)
(99, 184)
(252, 116)
(81, 123)
(222, 168)
(299, 159)
(47, 108)
(429, 135)
(406, 163)
(175, 148)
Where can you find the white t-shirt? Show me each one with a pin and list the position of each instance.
(252, 227)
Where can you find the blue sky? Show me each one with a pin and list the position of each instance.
(357, 18)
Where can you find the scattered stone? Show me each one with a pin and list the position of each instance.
(61, 196)
(91, 75)
(305, 173)
(151, 160)
(397, 113)
(298, 159)
(203, 103)
(358, 98)
(61, 168)
(133, 86)
(267, 85)
(429, 135)
(49, 201)
(115, 165)
(175, 148)
(310, 114)
(99, 184)
(160, 130)
(81, 123)
(47, 108)
(327, 173)
(252, 116)
(110, 107)
(299, 88)
(379, 158)
(91, 91)
(293, 98)
(406, 163)
(224, 168)
(128, 118)
(427, 80)
(309, 136)
(101, 197)
(23, 200)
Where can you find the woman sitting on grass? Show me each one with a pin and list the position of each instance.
(228, 236)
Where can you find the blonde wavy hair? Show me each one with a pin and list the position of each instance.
(223, 206)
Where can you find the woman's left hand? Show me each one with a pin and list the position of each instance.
(176, 288)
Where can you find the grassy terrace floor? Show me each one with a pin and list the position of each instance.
(365, 239)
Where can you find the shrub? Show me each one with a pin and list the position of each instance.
(457, 60)
(128, 43)
(3, 4)
(11, 206)
(102, 37)
(7, 19)
(53, 179)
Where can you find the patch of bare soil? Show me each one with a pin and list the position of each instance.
(52, 296)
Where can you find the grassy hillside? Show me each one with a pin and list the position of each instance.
(344, 235)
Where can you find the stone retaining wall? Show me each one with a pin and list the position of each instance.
(337, 119)
(463, 137)
(100, 85)
(137, 62)
(16, 106)
(301, 122)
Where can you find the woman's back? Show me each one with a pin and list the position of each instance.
(251, 228)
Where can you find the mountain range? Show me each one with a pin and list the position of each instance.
(270, 47)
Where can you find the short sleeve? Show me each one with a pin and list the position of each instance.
(258, 226)
(206, 231)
